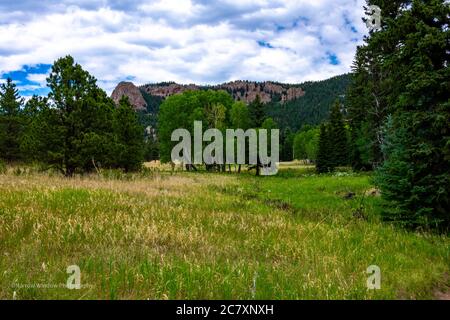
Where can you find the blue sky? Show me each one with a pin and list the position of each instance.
(187, 41)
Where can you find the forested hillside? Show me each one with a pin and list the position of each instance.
(314, 107)
(290, 105)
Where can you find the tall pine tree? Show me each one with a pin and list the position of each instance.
(339, 150)
(257, 112)
(78, 122)
(402, 85)
(129, 137)
(11, 121)
(324, 161)
(415, 176)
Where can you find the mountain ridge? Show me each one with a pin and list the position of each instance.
(290, 105)
(240, 90)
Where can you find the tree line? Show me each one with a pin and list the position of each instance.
(215, 109)
(399, 111)
(77, 128)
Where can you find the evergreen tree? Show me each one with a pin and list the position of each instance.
(287, 145)
(129, 137)
(31, 114)
(415, 176)
(11, 121)
(151, 147)
(43, 139)
(80, 114)
(257, 113)
(368, 98)
(339, 154)
(402, 75)
(324, 162)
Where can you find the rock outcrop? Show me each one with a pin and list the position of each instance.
(132, 92)
(240, 90)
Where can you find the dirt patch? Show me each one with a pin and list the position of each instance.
(442, 295)
(443, 292)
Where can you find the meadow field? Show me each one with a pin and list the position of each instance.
(163, 235)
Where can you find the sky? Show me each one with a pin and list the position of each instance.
(186, 41)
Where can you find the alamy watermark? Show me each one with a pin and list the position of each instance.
(235, 151)
(374, 279)
(373, 20)
(73, 282)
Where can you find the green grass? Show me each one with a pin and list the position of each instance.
(208, 236)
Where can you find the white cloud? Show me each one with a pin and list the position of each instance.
(39, 78)
(185, 41)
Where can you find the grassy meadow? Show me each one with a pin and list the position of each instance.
(163, 235)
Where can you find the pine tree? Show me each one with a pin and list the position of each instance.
(367, 99)
(31, 113)
(78, 124)
(287, 145)
(420, 130)
(43, 140)
(324, 162)
(129, 137)
(410, 53)
(11, 121)
(257, 112)
(339, 153)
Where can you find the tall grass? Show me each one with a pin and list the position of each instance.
(207, 236)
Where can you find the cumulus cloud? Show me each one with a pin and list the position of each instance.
(186, 41)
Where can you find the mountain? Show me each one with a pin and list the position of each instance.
(291, 105)
(314, 107)
(240, 90)
(132, 92)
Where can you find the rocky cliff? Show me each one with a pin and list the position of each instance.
(240, 90)
(132, 92)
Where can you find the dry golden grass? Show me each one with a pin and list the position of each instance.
(202, 236)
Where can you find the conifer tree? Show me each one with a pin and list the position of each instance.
(402, 81)
(129, 137)
(324, 162)
(11, 121)
(287, 147)
(77, 125)
(257, 112)
(31, 115)
(339, 153)
(415, 176)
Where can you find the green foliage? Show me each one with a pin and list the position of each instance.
(287, 145)
(306, 143)
(339, 149)
(11, 121)
(333, 142)
(181, 110)
(78, 128)
(78, 120)
(269, 124)
(151, 150)
(405, 69)
(257, 112)
(129, 137)
(324, 162)
(240, 116)
(313, 108)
